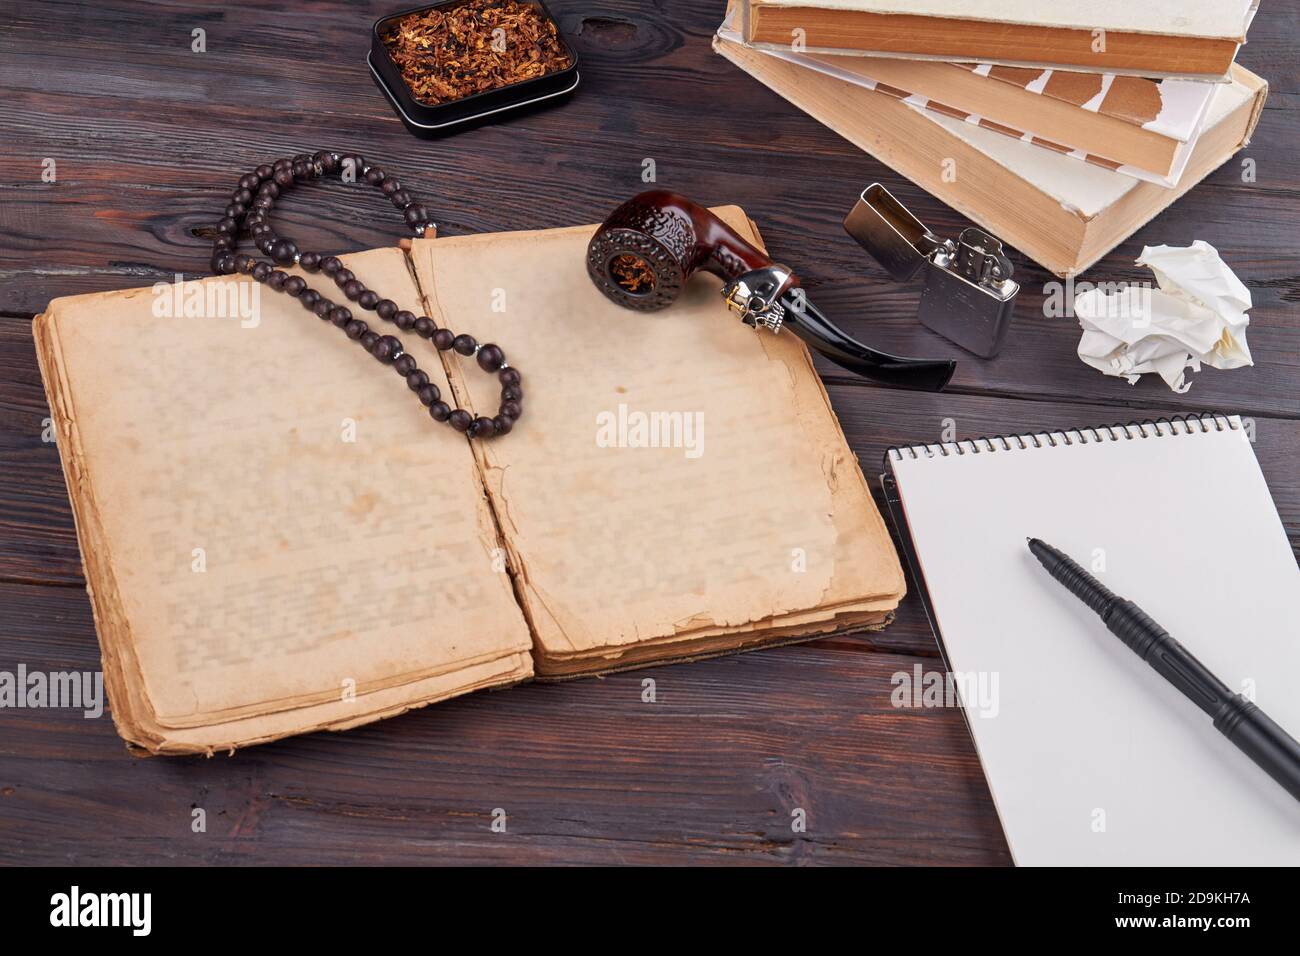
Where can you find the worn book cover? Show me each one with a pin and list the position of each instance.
(1155, 38)
(277, 538)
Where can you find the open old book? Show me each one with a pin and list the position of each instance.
(277, 538)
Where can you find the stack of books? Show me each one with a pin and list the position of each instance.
(1058, 126)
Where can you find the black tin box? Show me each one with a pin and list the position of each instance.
(440, 119)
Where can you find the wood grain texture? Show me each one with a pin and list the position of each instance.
(148, 138)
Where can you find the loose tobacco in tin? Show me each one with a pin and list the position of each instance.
(448, 53)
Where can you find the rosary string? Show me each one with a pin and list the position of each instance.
(249, 212)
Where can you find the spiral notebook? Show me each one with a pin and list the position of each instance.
(1090, 756)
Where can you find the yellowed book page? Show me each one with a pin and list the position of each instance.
(673, 472)
(282, 520)
(345, 714)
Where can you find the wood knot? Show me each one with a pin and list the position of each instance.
(607, 31)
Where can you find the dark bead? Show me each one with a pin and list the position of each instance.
(387, 349)
(416, 379)
(228, 226)
(460, 419)
(490, 357)
(294, 285)
(249, 181)
(511, 410)
(464, 344)
(223, 263)
(356, 328)
(342, 277)
(512, 393)
(401, 199)
(368, 299)
(301, 171)
(503, 424)
(236, 210)
(328, 161)
(310, 261)
(482, 428)
(386, 308)
(404, 319)
(244, 263)
(281, 163)
(375, 175)
(283, 251)
(353, 289)
(424, 327)
(389, 186)
(284, 178)
(276, 279)
(309, 298)
(369, 339)
(264, 171)
(223, 244)
(269, 188)
(405, 365)
(323, 307)
(330, 265)
(266, 242)
(261, 271)
(440, 411)
(443, 339)
(415, 215)
(340, 316)
(242, 196)
(509, 376)
(428, 394)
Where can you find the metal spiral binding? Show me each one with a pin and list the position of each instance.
(1191, 423)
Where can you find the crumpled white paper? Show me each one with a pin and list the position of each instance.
(1198, 314)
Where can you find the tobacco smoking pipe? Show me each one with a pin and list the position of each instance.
(642, 255)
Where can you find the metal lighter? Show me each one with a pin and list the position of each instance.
(969, 294)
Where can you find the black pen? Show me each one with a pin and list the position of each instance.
(1236, 717)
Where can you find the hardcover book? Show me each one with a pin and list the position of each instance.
(1155, 38)
(1061, 213)
(278, 539)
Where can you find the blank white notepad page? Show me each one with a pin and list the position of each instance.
(1091, 756)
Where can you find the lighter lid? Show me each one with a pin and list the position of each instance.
(890, 233)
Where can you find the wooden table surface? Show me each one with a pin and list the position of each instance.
(148, 136)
